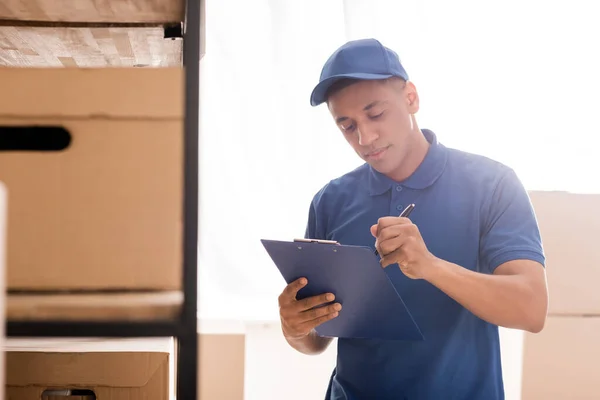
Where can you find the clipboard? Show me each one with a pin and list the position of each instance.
(371, 306)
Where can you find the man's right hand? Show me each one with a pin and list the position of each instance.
(300, 317)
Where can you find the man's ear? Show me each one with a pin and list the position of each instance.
(412, 97)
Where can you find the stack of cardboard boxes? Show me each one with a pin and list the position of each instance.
(561, 361)
(93, 168)
(91, 155)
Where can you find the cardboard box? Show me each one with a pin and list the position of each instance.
(221, 366)
(561, 361)
(126, 369)
(3, 215)
(570, 227)
(106, 211)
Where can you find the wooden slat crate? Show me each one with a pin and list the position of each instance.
(93, 10)
(24, 46)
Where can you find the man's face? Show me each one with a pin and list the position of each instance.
(376, 118)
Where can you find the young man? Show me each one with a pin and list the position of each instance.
(468, 260)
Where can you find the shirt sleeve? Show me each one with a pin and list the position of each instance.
(509, 228)
(315, 226)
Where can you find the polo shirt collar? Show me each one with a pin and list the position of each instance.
(424, 176)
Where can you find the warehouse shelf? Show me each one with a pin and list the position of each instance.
(124, 33)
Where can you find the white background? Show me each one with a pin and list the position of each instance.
(515, 80)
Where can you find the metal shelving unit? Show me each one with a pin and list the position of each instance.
(184, 327)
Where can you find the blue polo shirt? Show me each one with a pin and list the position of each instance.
(471, 211)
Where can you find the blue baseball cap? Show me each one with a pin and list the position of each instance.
(357, 59)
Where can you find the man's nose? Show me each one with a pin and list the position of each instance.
(366, 136)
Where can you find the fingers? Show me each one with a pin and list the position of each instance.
(289, 293)
(394, 237)
(288, 296)
(396, 229)
(314, 301)
(395, 257)
(391, 238)
(385, 222)
(319, 312)
(385, 231)
(322, 318)
(300, 317)
(390, 245)
(301, 324)
(374, 230)
(406, 252)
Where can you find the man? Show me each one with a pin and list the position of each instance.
(468, 260)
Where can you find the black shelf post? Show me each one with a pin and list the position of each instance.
(187, 358)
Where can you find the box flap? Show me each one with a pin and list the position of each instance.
(572, 254)
(90, 344)
(124, 93)
(89, 369)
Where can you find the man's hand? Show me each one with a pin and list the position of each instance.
(399, 241)
(300, 317)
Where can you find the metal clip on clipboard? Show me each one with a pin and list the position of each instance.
(321, 241)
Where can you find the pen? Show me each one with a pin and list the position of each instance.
(403, 214)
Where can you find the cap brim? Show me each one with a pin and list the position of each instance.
(318, 94)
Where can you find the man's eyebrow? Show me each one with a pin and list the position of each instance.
(365, 108)
(373, 104)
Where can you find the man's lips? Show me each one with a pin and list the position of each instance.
(375, 153)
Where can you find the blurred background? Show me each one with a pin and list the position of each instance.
(108, 105)
(512, 80)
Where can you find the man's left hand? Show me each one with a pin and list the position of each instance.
(399, 241)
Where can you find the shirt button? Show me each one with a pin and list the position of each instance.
(398, 188)
(399, 207)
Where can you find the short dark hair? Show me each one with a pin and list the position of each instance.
(345, 82)
(339, 85)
